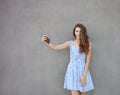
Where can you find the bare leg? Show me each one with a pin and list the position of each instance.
(74, 92)
(83, 93)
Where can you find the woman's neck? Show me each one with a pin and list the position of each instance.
(77, 41)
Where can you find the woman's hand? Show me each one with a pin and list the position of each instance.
(44, 37)
(83, 80)
(55, 47)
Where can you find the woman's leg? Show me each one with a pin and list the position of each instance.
(83, 93)
(75, 92)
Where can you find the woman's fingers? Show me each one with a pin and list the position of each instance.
(44, 37)
(83, 84)
(83, 81)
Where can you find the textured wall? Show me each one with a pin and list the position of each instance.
(27, 67)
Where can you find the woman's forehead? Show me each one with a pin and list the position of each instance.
(78, 28)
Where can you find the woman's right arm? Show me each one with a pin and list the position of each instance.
(56, 47)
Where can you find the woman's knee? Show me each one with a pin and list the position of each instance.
(75, 92)
(83, 93)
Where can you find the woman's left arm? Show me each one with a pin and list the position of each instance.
(88, 57)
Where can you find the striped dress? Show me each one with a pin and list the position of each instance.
(75, 70)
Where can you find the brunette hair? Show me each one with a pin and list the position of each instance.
(84, 39)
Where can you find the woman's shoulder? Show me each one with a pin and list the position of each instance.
(69, 42)
(90, 44)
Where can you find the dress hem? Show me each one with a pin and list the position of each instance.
(80, 89)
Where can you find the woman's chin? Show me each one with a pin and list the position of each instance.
(78, 37)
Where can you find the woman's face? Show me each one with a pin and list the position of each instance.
(77, 32)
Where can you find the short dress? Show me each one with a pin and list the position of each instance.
(75, 70)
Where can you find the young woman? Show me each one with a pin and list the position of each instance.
(77, 78)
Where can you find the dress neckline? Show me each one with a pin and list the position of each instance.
(75, 45)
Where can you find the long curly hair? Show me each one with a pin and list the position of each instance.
(84, 39)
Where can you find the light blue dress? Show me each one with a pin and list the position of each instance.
(75, 70)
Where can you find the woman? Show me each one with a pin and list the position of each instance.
(77, 78)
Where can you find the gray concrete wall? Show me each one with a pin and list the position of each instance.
(27, 67)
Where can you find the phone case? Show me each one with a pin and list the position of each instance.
(48, 40)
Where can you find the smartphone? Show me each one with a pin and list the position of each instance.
(48, 40)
